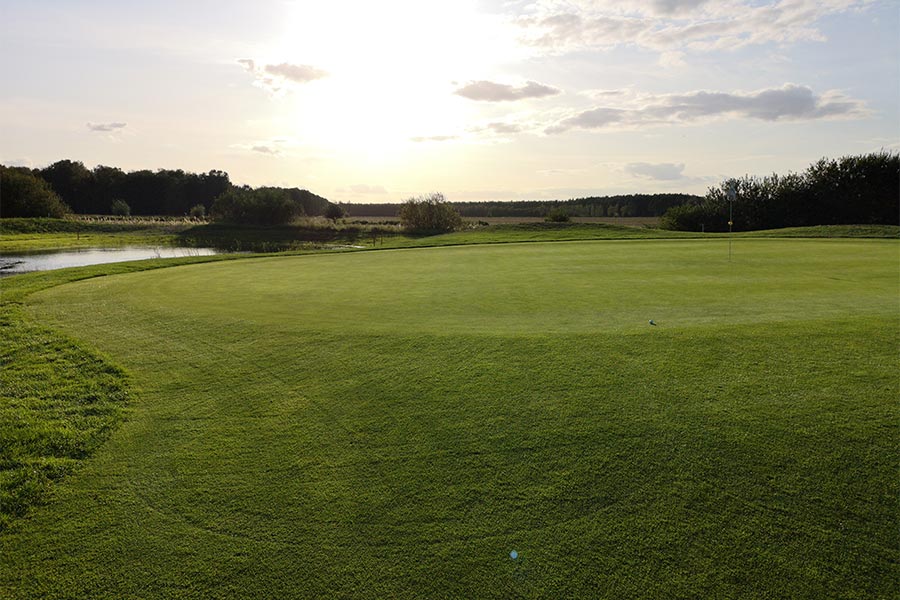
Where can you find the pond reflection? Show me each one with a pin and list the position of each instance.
(44, 261)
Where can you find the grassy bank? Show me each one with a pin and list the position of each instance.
(30, 235)
(393, 424)
(24, 235)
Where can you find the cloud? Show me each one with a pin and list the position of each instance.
(672, 7)
(17, 162)
(107, 127)
(275, 78)
(362, 188)
(497, 128)
(488, 91)
(295, 73)
(275, 147)
(672, 59)
(656, 171)
(666, 25)
(504, 128)
(265, 149)
(434, 138)
(790, 102)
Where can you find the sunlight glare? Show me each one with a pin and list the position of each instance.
(388, 80)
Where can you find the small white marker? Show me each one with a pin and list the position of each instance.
(514, 555)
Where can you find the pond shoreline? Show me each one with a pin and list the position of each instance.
(45, 260)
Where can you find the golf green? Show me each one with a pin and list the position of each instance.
(396, 423)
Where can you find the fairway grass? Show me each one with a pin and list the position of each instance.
(395, 423)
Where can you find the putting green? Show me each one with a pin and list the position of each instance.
(395, 423)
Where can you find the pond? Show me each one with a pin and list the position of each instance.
(11, 264)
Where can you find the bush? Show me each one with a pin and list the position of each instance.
(694, 217)
(262, 206)
(557, 214)
(429, 214)
(198, 211)
(120, 208)
(25, 195)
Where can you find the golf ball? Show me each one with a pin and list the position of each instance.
(514, 555)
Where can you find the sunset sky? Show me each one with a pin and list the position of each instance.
(363, 101)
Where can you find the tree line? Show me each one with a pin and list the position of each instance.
(631, 205)
(107, 190)
(851, 190)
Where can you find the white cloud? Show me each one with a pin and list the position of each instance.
(106, 127)
(672, 7)
(434, 138)
(667, 25)
(363, 189)
(672, 59)
(656, 171)
(18, 162)
(275, 78)
(295, 73)
(263, 149)
(489, 91)
(790, 102)
(275, 147)
(503, 128)
(500, 128)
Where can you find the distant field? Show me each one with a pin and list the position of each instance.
(624, 221)
(395, 423)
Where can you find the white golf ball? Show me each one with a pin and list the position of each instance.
(514, 555)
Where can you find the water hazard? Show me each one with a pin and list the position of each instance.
(44, 261)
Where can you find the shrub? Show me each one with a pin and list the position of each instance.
(25, 195)
(429, 214)
(557, 214)
(694, 217)
(120, 208)
(262, 206)
(198, 211)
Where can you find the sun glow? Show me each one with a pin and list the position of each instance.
(388, 81)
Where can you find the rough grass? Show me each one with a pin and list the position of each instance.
(393, 424)
(59, 403)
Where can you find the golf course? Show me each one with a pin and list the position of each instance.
(600, 418)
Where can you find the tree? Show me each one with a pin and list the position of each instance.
(72, 181)
(22, 194)
(120, 208)
(335, 212)
(429, 214)
(850, 190)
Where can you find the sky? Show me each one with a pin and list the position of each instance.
(362, 101)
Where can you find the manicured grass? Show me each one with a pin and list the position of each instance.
(393, 424)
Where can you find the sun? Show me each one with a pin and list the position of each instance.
(388, 81)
